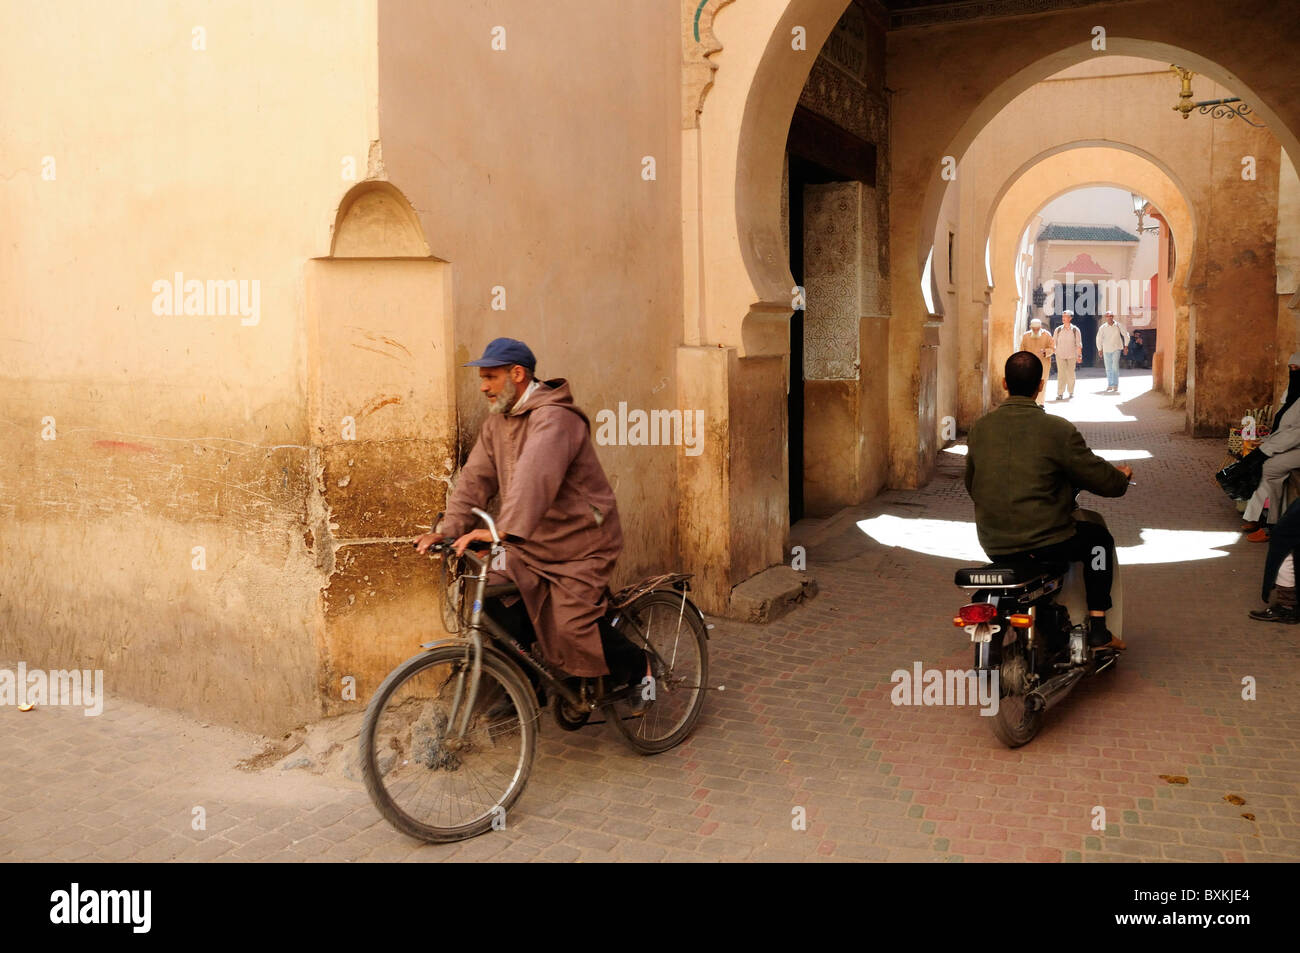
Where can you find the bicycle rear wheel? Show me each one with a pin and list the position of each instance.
(424, 778)
(680, 666)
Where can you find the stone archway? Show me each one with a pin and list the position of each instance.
(1232, 378)
(945, 88)
(1058, 173)
(1068, 113)
(746, 308)
(383, 430)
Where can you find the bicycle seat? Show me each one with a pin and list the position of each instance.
(499, 590)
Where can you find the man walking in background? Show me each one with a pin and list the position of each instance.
(1068, 343)
(1039, 343)
(1112, 339)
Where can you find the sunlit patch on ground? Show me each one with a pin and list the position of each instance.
(955, 539)
(1111, 455)
(1089, 405)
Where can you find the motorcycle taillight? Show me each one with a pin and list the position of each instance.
(977, 612)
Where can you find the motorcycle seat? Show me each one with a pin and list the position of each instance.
(1006, 575)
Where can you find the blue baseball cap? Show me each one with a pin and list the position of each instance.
(505, 351)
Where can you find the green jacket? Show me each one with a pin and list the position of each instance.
(1022, 466)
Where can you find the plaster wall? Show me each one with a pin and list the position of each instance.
(957, 278)
(201, 140)
(527, 167)
(1115, 259)
(1288, 228)
(382, 412)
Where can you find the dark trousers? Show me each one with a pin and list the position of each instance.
(626, 661)
(1082, 547)
(512, 618)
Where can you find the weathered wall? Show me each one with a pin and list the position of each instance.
(383, 417)
(1233, 336)
(705, 487)
(1169, 362)
(525, 165)
(844, 376)
(172, 431)
(958, 299)
(846, 279)
(1288, 269)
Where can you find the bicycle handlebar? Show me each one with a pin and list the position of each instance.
(491, 524)
(446, 546)
(449, 545)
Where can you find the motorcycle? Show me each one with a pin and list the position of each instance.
(1028, 623)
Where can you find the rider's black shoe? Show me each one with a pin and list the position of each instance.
(1099, 636)
(535, 680)
(636, 688)
(1276, 614)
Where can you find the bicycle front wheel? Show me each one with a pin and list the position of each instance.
(426, 777)
(664, 623)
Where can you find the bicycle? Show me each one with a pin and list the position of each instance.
(449, 737)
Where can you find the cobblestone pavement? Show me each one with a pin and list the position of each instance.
(805, 721)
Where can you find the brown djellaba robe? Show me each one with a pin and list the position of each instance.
(559, 509)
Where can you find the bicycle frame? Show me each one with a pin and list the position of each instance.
(480, 622)
(507, 646)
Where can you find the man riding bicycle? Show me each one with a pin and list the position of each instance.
(1023, 469)
(557, 514)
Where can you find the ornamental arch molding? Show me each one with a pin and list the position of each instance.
(745, 303)
(375, 220)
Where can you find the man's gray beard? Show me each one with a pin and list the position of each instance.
(506, 400)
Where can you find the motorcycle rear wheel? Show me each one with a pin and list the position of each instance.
(1014, 724)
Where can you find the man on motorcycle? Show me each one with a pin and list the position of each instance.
(1023, 469)
(557, 512)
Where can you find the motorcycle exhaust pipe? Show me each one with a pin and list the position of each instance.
(1052, 691)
